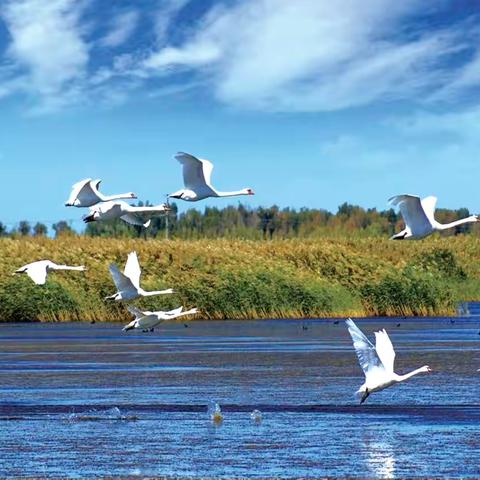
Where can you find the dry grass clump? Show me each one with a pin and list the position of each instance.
(245, 279)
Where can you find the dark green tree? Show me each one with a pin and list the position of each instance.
(40, 230)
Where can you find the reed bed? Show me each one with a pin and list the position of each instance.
(245, 279)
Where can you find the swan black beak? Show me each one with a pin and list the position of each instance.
(88, 218)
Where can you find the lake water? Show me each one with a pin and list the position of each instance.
(83, 400)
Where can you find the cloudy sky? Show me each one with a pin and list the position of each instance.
(309, 102)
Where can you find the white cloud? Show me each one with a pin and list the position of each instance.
(444, 127)
(46, 43)
(121, 28)
(272, 55)
(310, 55)
(195, 54)
(164, 17)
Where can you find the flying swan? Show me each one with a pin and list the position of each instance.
(196, 178)
(376, 361)
(122, 210)
(128, 282)
(85, 194)
(418, 216)
(37, 271)
(147, 321)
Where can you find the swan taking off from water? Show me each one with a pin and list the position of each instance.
(85, 194)
(128, 282)
(196, 178)
(122, 210)
(147, 321)
(376, 361)
(37, 271)
(418, 216)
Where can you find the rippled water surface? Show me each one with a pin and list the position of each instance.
(81, 399)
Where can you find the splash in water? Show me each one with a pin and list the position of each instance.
(113, 413)
(215, 412)
(256, 416)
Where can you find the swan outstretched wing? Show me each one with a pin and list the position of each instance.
(196, 172)
(86, 192)
(132, 269)
(121, 281)
(76, 190)
(37, 272)
(136, 312)
(428, 205)
(132, 219)
(366, 353)
(412, 212)
(385, 351)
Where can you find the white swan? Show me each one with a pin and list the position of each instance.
(377, 361)
(196, 178)
(128, 282)
(122, 210)
(147, 321)
(85, 194)
(418, 216)
(37, 271)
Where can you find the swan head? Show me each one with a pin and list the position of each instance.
(426, 369)
(249, 191)
(131, 195)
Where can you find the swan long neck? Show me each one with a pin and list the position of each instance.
(402, 378)
(68, 267)
(156, 292)
(232, 194)
(188, 312)
(445, 226)
(154, 208)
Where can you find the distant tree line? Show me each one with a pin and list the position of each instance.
(242, 221)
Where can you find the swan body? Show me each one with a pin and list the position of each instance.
(377, 361)
(37, 271)
(147, 321)
(418, 215)
(128, 282)
(196, 179)
(85, 193)
(118, 209)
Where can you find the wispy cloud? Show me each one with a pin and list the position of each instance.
(121, 29)
(46, 45)
(309, 55)
(271, 55)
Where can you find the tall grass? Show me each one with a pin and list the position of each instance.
(245, 279)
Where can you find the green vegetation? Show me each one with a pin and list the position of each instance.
(244, 278)
(243, 222)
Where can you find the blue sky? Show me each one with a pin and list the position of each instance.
(309, 102)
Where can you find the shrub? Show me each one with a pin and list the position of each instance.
(21, 300)
(442, 261)
(407, 293)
